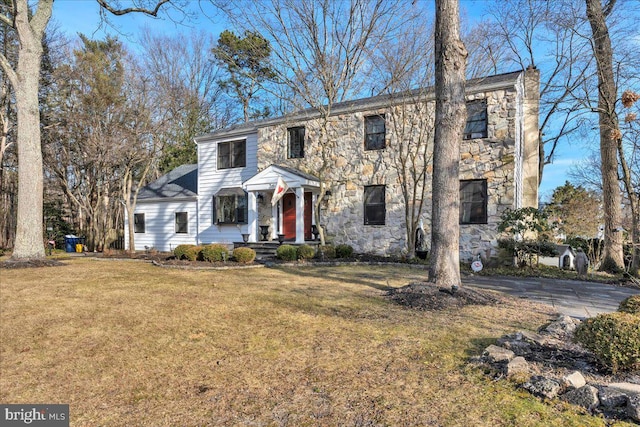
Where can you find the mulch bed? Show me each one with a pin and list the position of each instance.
(30, 263)
(429, 296)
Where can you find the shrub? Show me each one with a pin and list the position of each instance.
(287, 253)
(244, 255)
(194, 253)
(614, 338)
(181, 251)
(630, 305)
(344, 251)
(326, 252)
(306, 252)
(215, 253)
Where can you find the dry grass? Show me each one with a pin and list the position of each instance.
(130, 344)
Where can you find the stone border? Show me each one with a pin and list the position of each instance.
(508, 358)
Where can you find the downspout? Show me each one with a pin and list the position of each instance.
(197, 193)
(518, 155)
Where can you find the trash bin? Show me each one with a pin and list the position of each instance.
(70, 242)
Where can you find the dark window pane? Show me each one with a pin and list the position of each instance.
(473, 202)
(138, 223)
(224, 155)
(374, 205)
(182, 225)
(239, 154)
(232, 154)
(296, 142)
(476, 126)
(374, 133)
(231, 209)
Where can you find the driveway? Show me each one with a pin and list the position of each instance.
(571, 297)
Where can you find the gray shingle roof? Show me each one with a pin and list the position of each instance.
(180, 182)
(472, 85)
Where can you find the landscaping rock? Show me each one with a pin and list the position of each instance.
(574, 380)
(517, 365)
(542, 387)
(611, 398)
(539, 339)
(564, 326)
(633, 407)
(586, 396)
(626, 388)
(495, 354)
(515, 343)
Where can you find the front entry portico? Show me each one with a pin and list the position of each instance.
(292, 214)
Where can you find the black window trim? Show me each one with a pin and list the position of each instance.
(232, 154)
(383, 205)
(485, 201)
(186, 223)
(473, 135)
(290, 133)
(245, 210)
(137, 223)
(368, 147)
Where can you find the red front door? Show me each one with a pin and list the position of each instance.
(289, 216)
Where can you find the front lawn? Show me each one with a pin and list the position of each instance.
(126, 343)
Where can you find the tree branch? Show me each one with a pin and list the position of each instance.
(105, 5)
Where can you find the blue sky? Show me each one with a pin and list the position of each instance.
(82, 16)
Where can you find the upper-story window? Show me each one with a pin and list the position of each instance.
(138, 223)
(476, 126)
(375, 209)
(232, 154)
(473, 201)
(374, 132)
(296, 142)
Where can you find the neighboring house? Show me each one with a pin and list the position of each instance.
(564, 259)
(362, 204)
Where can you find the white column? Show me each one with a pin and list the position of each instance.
(299, 215)
(252, 221)
(275, 221)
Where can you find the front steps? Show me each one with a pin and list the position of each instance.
(266, 250)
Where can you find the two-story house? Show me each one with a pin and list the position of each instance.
(365, 156)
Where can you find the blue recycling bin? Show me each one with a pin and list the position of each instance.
(70, 243)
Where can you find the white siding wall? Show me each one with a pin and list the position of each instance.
(210, 180)
(160, 231)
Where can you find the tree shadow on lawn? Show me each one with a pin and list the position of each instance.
(370, 279)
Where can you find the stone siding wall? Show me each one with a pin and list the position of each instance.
(344, 164)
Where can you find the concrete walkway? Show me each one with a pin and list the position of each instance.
(571, 297)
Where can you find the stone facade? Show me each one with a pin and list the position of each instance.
(335, 153)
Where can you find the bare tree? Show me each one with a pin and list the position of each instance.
(404, 68)
(450, 117)
(319, 49)
(24, 78)
(185, 95)
(610, 135)
(547, 35)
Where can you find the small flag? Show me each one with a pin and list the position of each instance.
(281, 188)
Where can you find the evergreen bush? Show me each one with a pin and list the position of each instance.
(614, 338)
(344, 251)
(244, 255)
(180, 252)
(630, 305)
(215, 253)
(326, 252)
(306, 252)
(287, 253)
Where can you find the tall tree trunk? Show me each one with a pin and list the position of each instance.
(609, 133)
(451, 56)
(29, 234)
